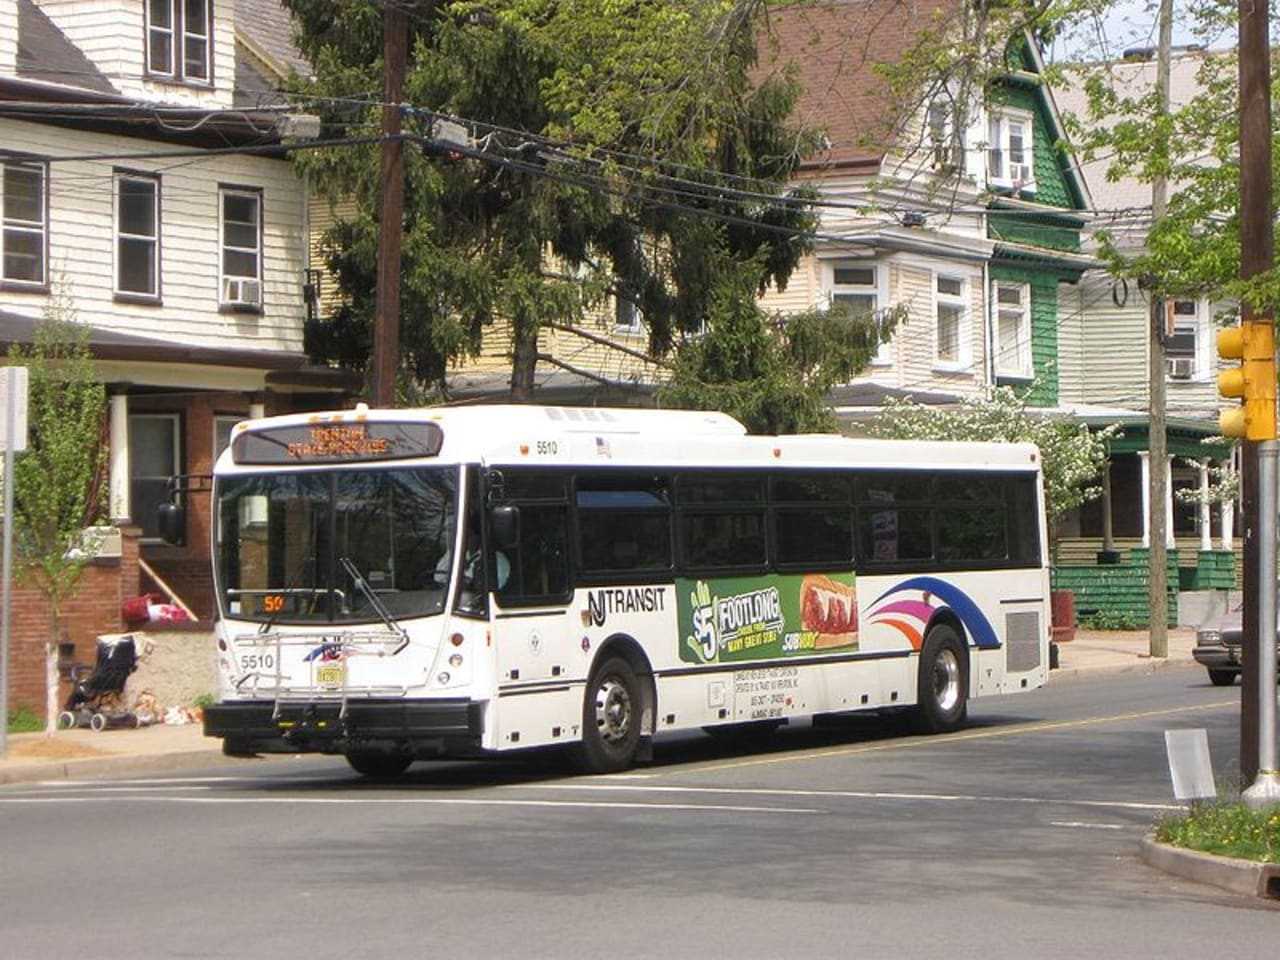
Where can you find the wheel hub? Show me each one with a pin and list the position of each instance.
(946, 680)
(613, 710)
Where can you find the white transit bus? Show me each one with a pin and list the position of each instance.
(409, 584)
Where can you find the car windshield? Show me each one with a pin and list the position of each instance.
(287, 544)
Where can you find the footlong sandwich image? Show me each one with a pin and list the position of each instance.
(830, 609)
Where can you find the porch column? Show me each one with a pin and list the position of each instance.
(1145, 459)
(1169, 540)
(1228, 518)
(118, 459)
(257, 410)
(1206, 538)
(1108, 538)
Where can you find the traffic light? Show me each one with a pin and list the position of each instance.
(1254, 381)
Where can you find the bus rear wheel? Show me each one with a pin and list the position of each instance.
(380, 766)
(611, 713)
(942, 689)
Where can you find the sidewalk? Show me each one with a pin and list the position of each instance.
(71, 754)
(1119, 651)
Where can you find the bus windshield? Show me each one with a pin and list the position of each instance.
(287, 544)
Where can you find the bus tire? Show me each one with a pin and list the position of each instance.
(611, 711)
(942, 690)
(380, 766)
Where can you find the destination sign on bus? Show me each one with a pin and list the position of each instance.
(337, 442)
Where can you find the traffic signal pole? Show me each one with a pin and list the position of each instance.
(1257, 382)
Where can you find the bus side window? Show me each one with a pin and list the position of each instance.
(472, 581)
(540, 563)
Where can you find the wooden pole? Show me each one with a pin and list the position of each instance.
(1158, 596)
(386, 325)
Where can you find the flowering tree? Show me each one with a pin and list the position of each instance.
(58, 489)
(1071, 455)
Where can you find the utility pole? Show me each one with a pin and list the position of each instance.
(1257, 249)
(386, 323)
(1158, 451)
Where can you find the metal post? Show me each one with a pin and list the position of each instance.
(1265, 791)
(6, 574)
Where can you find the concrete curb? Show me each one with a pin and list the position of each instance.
(1239, 876)
(109, 765)
(1143, 665)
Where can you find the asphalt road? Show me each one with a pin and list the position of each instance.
(1016, 837)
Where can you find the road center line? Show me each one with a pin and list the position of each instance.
(854, 795)
(940, 741)
(1080, 825)
(432, 801)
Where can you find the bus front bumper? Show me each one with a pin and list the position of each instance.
(421, 728)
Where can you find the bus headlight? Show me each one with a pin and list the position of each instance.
(443, 677)
(455, 661)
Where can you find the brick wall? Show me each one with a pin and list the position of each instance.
(93, 609)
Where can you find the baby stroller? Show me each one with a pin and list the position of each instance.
(95, 701)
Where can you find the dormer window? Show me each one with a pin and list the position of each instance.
(180, 39)
(946, 152)
(1009, 149)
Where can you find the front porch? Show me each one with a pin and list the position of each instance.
(1102, 549)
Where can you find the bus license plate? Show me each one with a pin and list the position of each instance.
(331, 675)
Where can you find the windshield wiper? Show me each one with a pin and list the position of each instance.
(375, 601)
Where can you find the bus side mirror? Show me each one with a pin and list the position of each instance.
(504, 522)
(173, 523)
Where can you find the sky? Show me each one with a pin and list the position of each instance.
(1130, 23)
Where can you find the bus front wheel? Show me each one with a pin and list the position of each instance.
(381, 766)
(611, 713)
(942, 690)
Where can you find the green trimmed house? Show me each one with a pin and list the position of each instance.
(1102, 361)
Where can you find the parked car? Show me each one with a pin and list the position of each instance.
(1218, 646)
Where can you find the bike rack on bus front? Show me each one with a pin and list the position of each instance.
(349, 643)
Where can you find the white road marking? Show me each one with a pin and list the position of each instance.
(425, 801)
(163, 780)
(1013, 730)
(1079, 824)
(855, 795)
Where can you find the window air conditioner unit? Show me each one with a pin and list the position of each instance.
(241, 293)
(1181, 368)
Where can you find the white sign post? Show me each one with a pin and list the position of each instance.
(13, 395)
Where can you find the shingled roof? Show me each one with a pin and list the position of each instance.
(835, 47)
(46, 55)
(268, 26)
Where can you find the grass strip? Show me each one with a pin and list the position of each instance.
(1227, 829)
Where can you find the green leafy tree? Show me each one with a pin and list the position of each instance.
(1071, 455)
(604, 136)
(58, 492)
(773, 373)
(1194, 250)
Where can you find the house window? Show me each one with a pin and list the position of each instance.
(180, 39)
(241, 248)
(857, 286)
(154, 455)
(1184, 345)
(25, 234)
(951, 341)
(222, 427)
(1013, 330)
(1009, 150)
(945, 151)
(137, 235)
(626, 316)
